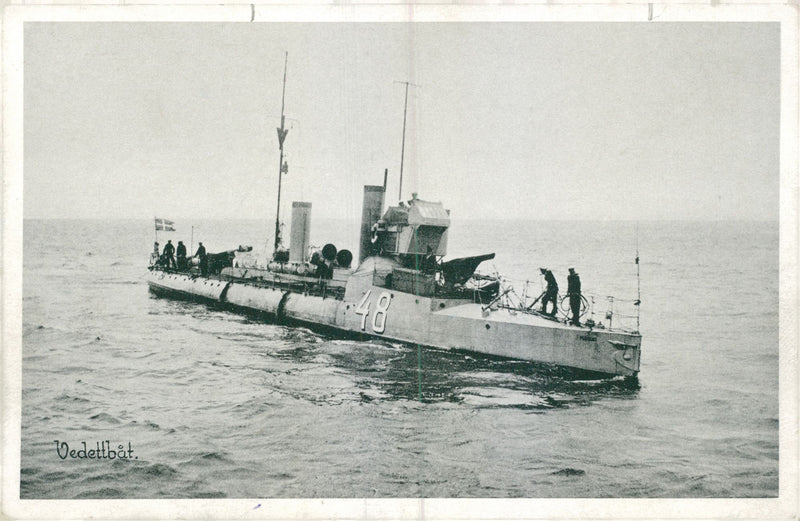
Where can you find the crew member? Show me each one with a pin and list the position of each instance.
(155, 256)
(374, 243)
(574, 292)
(429, 261)
(551, 293)
(169, 254)
(180, 253)
(201, 254)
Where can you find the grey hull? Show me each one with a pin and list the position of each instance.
(440, 323)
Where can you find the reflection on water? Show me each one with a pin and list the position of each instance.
(431, 375)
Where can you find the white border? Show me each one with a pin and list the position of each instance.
(784, 507)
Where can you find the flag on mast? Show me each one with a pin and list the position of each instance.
(164, 225)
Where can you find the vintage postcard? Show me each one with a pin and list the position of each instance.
(397, 261)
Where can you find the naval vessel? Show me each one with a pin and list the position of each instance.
(398, 288)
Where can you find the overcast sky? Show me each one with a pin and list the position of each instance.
(512, 120)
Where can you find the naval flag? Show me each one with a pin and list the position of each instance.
(164, 225)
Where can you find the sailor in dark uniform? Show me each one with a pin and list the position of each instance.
(169, 254)
(201, 254)
(574, 292)
(428, 262)
(180, 253)
(551, 293)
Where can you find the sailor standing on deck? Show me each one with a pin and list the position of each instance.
(180, 253)
(201, 254)
(428, 262)
(551, 293)
(574, 292)
(169, 254)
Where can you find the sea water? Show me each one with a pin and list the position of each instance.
(200, 402)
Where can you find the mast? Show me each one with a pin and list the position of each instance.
(638, 302)
(403, 149)
(282, 167)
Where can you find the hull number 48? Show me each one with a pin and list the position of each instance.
(379, 315)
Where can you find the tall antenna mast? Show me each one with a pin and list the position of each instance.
(403, 150)
(638, 302)
(282, 167)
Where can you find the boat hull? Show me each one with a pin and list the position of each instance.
(441, 323)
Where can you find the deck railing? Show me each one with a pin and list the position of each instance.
(601, 311)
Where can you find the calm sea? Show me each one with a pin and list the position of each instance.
(215, 404)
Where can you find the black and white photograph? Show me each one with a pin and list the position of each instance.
(399, 253)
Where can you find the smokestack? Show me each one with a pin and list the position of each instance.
(301, 231)
(370, 214)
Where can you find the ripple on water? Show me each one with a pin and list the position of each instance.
(215, 494)
(206, 459)
(154, 469)
(69, 398)
(105, 417)
(500, 398)
(568, 472)
(101, 493)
